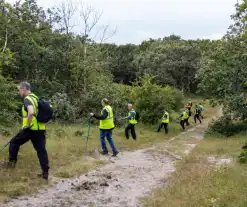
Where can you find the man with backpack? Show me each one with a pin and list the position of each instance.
(133, 118)
(32, 129)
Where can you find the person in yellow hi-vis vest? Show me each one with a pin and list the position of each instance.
(165, 122)
(132, 122)
(31, 130)
(106, 126)
(184, 118)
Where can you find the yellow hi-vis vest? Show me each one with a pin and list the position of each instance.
(184, 115)
(107, 123)
(132, 119)
(35, 125)
(196, 111)
(165, 118)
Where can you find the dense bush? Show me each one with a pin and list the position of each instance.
(227, 127)
(151, 100)
(9, 98)
(63, 109)
(243, 155)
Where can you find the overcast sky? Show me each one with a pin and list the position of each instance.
(137, 20)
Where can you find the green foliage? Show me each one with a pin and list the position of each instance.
(63, 109)
(151, 100)
(227, 127)
(76, 72)
(223, 75)
(8, 93)
(243, 155)
(171, 61)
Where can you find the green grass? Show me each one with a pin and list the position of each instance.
(200, 183)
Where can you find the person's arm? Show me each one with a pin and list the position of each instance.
(30, 113)
(30, 110)
(132, 114)
(101, 117)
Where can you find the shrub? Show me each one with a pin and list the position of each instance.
(151, 99)
(243, 155)
(227, 127)
(63, 109)
(9, 102)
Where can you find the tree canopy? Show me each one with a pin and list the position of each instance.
(75, 71)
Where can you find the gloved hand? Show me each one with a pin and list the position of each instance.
(26, 128)
(91, 114)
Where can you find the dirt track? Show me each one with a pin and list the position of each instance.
(121, 183)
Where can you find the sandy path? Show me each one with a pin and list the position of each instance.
(121, 183)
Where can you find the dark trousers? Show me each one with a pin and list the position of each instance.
(197, 117)
(186, 121)
(38, 140)
(165, 125)
(108, 135)
(200, 115)
(182, 124)
(130, 127)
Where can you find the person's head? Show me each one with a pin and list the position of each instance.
(105, 102)
(130, 106)
(24, 88)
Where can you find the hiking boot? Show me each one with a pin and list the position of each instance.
(115, 154)
(104, 153)
(10, 164)
(43, 175)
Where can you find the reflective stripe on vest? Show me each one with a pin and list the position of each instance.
(132, 120)
(35, 125)
(107, 123)
(165, 118)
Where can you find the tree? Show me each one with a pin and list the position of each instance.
(66, 12)
(224, 73)
(172, 62)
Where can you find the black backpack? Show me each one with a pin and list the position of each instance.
(45, 110)
(137, 116)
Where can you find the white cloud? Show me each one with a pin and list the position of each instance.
(140, 19)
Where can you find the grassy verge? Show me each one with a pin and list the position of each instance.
(198, 182)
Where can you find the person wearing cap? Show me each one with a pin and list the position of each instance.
(164, 123)
(106, 126)
(31, 130)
